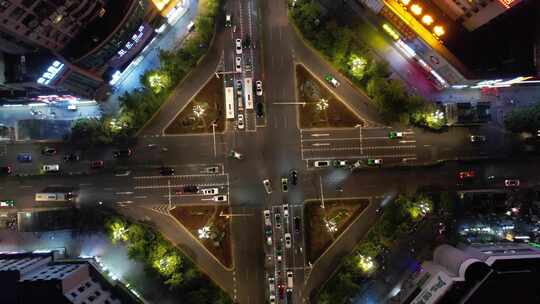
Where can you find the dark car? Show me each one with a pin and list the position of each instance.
(24, 157)
(166, 171)
(296, 224)
(294, 177)
(6, 170)
(71, 157)
(97, 164)
(122, 153)
(48, 151)
(191, 189)
(260, 109)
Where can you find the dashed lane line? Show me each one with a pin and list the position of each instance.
(358, 148)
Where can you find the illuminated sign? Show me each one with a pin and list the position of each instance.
(132, 42)
(160, 4)
(507, 3)
(51, 72)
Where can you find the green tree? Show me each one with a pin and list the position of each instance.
(525, 119)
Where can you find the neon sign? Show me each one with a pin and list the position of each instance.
(507, 3)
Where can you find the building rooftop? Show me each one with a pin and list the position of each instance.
(98, 30)
(501, 48)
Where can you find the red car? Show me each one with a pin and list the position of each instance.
(466, 174)
(6, 170)
(97, 164)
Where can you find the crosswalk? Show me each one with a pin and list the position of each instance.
(357, 143)
(179, 181)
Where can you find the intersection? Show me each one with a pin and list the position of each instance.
(272, 146)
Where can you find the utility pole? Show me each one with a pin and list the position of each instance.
(322, 195)
(360, 138)
(214, 134)
(169, 187)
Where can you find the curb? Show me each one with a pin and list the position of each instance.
(200, 243)
(180, 83)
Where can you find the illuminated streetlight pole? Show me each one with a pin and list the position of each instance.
(214, 134)
(322, 195)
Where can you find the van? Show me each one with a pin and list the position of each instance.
(321, 163)
(289, 279)
(191, 26)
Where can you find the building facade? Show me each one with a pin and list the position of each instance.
(44, 23)
(478, 273)
(44, 278)
(84, 42)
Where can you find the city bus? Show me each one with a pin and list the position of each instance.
(248, 93)
(54, 197)
(229, 102)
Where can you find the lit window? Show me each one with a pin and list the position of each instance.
(405, 2)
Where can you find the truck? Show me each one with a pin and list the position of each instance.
(54, 197)
(229, 102)
(248, 93)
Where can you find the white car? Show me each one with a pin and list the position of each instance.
(271, 285)
(241, 121)
(269, 240)
(219, 198)
(288, 240)
(258, 87)
(51, 168)
(238, 46)
(209, 191)
(238, 64)
(267, 186)
(272, 299)
(267, 220)
(286, 211)
(321, 163)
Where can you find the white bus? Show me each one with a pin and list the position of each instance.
(229, 102)
(248, 93)
(54, 197)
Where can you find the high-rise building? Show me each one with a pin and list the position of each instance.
(42, 278)
(79, 42)
(480, 273)
(27, 24)
(474, 13)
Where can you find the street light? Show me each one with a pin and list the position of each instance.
(427, 20)
(359, 126)
(214, 134)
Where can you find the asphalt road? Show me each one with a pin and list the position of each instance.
(270, 151)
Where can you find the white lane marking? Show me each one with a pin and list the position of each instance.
(407, 141)
(178, 185)
(124, 193)
(320, 144)
(366, 157)
(178, 176)
(330, 139)
(141, 196)
(320, 134)
(408, 159)
(358, 148)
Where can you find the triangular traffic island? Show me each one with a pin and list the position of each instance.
(210, 226)
(206, 108)
(324, 226)
(322, 108)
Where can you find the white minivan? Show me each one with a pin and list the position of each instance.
(290, 279)
(321, 163)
